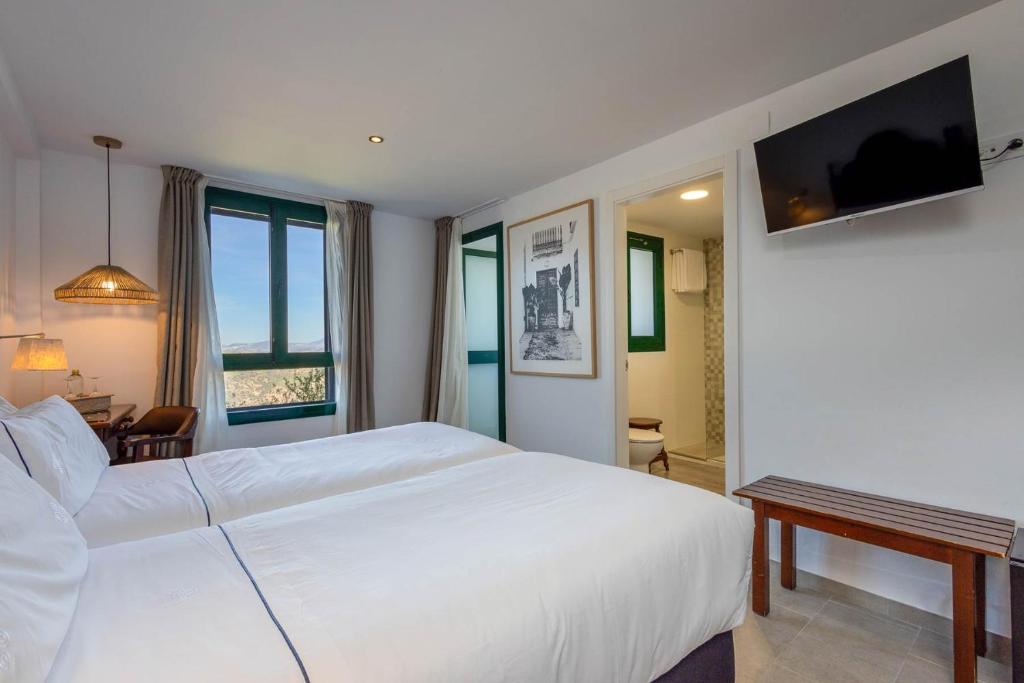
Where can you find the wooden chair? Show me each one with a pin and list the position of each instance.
(162, 425)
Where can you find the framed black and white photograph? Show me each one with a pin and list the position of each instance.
(551, 293)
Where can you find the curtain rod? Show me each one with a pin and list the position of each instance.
(231, 184)
(480, 207)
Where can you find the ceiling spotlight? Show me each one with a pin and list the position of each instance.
(376, 139)
(690, 195)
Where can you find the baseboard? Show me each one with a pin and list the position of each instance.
(999, 646)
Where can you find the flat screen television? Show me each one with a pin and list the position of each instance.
(913, 142)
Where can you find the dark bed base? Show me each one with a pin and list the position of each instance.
(712, 662)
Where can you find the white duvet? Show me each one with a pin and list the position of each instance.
(158, 497)
(533, 568)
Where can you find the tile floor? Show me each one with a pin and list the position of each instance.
(706, 475)
(811, 636)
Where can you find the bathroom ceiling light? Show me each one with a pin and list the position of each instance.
(691, 195)
(376, 139)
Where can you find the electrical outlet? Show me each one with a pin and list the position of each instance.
(995, 145)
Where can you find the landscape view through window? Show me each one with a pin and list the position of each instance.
(240, 255)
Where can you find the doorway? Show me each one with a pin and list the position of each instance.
(483, 268)
(676, 323)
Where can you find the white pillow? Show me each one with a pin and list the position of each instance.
(6, 407)
(51, 442)
(43, 559)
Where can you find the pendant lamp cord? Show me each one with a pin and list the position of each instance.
(108, 203)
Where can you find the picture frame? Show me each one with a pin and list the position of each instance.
(552, 330)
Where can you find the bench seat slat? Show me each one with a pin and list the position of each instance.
(999, 522)
(887, 513)
(937, 516)
(903, 527)
(954, 528)
(874, 523)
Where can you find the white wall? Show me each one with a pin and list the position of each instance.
(7, 273)
(403, 286)
(118, 343)
(669, 384)
(884, 356)
(27, 386)
(66, 235)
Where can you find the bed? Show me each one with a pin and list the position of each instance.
(163, 496)
(536, 567)
(129, 502)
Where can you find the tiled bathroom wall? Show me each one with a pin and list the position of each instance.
(714, 343)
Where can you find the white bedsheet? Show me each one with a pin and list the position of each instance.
(533, 568)
(157, 497)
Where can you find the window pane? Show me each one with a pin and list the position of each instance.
(481, 283)
(641, 292)
(306, 322)
(240, 255)
(255, 388)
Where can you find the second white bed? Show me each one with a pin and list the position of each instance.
(159, 497)
(534, 567)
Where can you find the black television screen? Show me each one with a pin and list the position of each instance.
(912, 142)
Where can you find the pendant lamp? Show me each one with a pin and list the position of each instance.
(106, 284)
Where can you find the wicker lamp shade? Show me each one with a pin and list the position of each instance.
(38, 353)
(106, 285)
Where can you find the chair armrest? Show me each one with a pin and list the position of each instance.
(146, 439)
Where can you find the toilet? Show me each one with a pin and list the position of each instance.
(644, 446)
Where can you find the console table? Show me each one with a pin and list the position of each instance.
(958, 538)
(117, 417)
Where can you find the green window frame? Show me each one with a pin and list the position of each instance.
(279, 212)
(495, 230)
(655, 245)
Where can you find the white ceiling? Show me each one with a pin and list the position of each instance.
(697, 218)
(477, 99)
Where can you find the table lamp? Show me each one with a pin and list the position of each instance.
(36, 352)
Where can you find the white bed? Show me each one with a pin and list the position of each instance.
(165, 496)
(528, 568)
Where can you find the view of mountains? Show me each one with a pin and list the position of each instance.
(264, 347)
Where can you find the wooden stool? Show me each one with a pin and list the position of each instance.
(655, 424)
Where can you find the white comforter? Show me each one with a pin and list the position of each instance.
(158, 497)
(532, 568)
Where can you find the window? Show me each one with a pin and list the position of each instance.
(645, 268)
(268, 259)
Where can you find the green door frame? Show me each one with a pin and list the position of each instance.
(655, 245)
(496, 230)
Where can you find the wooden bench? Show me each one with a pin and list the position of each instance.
(961, 539)
(1017, 606)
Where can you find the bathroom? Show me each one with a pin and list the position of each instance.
(675, 275)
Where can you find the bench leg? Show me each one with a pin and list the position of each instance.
(788, 548)
(965, 609)
(979, 612)
(759, 570)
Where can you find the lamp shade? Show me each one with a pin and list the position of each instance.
(106, 285)
(40, 354)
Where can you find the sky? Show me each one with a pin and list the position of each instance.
(240, 251)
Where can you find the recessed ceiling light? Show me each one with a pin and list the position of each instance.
(690, 195)
(376, 139)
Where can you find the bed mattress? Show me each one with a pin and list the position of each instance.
(165, 496)
(536, 567)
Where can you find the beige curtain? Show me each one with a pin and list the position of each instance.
(360, 319)
(178, 286)
(443, 227)
(338, 305)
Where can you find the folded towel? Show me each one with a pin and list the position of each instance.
(688, 271)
